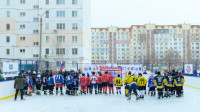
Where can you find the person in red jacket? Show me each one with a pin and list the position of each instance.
(99, 83)
(105, 82)
(110, 82)
(83, 82)
(88, 83)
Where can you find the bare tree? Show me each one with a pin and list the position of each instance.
(172, 56)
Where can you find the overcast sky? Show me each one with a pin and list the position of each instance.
(124, 13)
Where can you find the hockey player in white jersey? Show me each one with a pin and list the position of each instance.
(93, 80)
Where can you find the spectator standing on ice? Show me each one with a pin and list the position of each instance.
(19, 86)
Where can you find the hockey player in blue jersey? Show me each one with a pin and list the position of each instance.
(59, 81)
(69, 83)
(38, 84)
(45, 83)
(151, 85)
(51, 84)
(76, 84)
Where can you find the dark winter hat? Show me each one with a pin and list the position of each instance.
(83, 74)
(129, 72)
(106, 72)
(140, 74)
(158, 73)
(93, 73)
(20, 74)
(118, 75)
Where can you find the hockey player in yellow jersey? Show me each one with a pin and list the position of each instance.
(127, 83)
(133, 87)
(141, 81)
(169, 85)
(179, 81)
(159, 83)
(118, 83)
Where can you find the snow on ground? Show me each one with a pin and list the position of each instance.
(107, 103)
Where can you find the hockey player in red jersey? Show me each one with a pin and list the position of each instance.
(83, 82)
(105, 82)
(99, 83)
(88, 84)
(110, 82)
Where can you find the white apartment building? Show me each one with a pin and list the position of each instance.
(65, 30)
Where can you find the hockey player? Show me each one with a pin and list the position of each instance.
(100, 83)
(127, 83)
(118, 83)
(179, 81)
(45, 83)
(38, 84)
(69, 83)
(159, 83)
(133, 87)
(59, 81)
(76, 84)
(169, 85)
(30, 84)
(151, 85)
(51, 84)
(88, 83)
(110, 82)
(83, 82)
(93, 80)
(141, 85)
(105, 82)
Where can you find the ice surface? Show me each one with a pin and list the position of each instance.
(107, 103)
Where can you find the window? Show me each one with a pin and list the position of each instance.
(7, 38)
(7, 51)
(75, 26)
(8, 3)
(35, 19)
(60, 39)
(47, 26)
(22, 26)
(7, 26)
(22, 1)
(47, 39)
(22, 50)
(47, 14)
(74, 2)
(35, 43)
(74, 13)
(35, 31)
(35, 7)
(47, 51)
(47, 2)
(22, 14)
(35, 55)
(74, 51)
(74, 39)
(74, 63)
(60, 13)
(60, 1)
(22, 38)
(8, 13)
(60, 51)
(60, 26)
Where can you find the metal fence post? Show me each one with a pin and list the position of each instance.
(151, 68)
(26, 66)
(183, 68)
(20, 65)
(169, 67)
(36, 67)
(77, 66)
(32, 66)
(196, 69)
(47, 65)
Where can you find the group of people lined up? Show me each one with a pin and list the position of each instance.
(97, 83)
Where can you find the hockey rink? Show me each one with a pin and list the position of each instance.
(190, 102)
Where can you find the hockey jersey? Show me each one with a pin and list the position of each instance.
(159, 82)
(27, 81)
(127, 80)
(179, 80)
(134, 79)
(59, 79)
(44, 81)
(142, 81)
(69, 79)
(83, 81)
(76, 82)
(169, 81)
(110, 79)
(93, 79)
(118, 81)
(38, 81)
(105, 78)
(88, 81)
(99, 79)
(151, 82)
(50, 81)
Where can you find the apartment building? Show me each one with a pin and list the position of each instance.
(147, 41)
(65, 30)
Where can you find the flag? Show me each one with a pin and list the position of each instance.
(62, 66)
